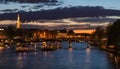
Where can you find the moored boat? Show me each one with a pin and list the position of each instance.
(2, 46)
(25, 47)
(50, 46)
(47, 48)
(21, 49)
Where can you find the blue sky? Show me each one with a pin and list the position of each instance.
(107, 4)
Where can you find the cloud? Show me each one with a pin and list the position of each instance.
(93, 19)
(8, 10)
(29, 1)
(62, 13)
(68, 23)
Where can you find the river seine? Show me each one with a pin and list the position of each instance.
(77, 57)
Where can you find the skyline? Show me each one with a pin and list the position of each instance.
(44, 16)
(87, 23)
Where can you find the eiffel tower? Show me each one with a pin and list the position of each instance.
(18, 21)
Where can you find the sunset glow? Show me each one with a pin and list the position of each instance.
(84, 31)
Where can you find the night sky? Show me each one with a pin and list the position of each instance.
(59, 14)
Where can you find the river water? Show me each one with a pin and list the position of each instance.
(77, 57)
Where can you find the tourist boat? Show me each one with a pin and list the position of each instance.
(58, 45)
(31, 46)
(25, 47)
(22, 48)
(1, 46)
(50, 46)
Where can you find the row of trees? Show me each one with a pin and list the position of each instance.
(11, 32)
(111, 33)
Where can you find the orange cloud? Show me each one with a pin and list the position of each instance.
(84, 31)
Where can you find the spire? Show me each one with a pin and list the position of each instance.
(18, 21)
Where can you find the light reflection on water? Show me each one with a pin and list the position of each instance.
(76, 57)
(87, 58)
(70, 54)
(20, 60)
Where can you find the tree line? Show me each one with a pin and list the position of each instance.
(111, 33)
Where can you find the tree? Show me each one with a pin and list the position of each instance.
(113, 35)
(98, 36)
(99, 33)
(70, 32)
(10, 32)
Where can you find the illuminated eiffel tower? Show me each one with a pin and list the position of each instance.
(18, 22)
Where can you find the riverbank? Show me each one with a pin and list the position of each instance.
(101, 45)
(112, 51)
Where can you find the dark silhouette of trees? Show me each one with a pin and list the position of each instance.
(70, 32)
(113, 35)
(63, 31)
(98, 36)
(99, 33)
(10, 32)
